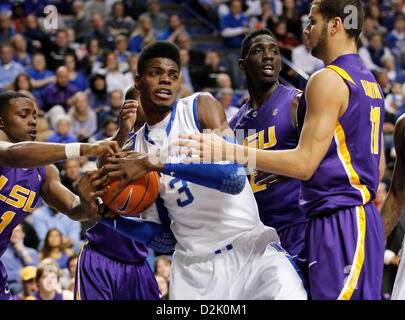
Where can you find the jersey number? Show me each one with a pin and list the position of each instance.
(184, 189)
(6, 219)
(375, 129)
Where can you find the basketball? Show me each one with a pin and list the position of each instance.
(135, 197)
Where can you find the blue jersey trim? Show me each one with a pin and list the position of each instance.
(197, 124)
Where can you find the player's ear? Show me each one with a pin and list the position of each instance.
(1, 122)
(336, 23)
(137, 80)
(241, 64)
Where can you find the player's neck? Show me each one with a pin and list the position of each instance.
(153, 117)
(258, 96)
(4, 137)
(338, 50)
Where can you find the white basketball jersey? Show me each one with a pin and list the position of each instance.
(203, 220)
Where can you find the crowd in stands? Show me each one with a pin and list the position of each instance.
(78, 74)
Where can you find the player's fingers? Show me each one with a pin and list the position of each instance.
(101, 192)
(188, 136)
(188, 151)
(193, 160)
(119, 187)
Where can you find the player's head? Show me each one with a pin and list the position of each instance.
(18, 116)
(158, 76)
(260, 57)
(340, 19)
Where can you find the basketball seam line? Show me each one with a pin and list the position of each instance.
(143, 197)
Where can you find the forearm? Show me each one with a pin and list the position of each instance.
(391, 211)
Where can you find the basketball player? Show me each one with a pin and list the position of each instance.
(21, 188)
(271, 112)
(223, 250)
(337, 158)
(394, 203)
(112, 266)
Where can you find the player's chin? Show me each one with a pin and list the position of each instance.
(31, 137)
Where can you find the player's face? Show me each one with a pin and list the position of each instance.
(316, 32)
(263, 61)
(159, 84)
(20, 120)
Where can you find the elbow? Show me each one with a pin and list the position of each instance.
(306, 170)
(234, 183)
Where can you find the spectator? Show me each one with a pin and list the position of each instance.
(122, 53)
(28, 282)
(162, 266)
(396, 40)
(80, 23)
(39, 74)
(59, 93)
(58, 49)
(373, 11)
(163, 285)
(76, 77)
(225, 96)
(158, 19)
(57, 248)
(83, 122)
(134, 9)
(119, 23)
(286, 40)
(101, 33)
(383, 80)
(108, 129)
(6, 28)
(197, 57)
(173, 29)
(98, 96)
(71, 174)
(100, 7)
(17, 256)
(22, 83)
(93, 61)
(47, 279)
(211, 68)
(20, 51)
(368, 30)
(188, 75)
(208, 9)
(9, 69)
(302, 58)
(292, 18)
(114, 78)
(116, 100)
(67, 278)
(394, 74)
(224, 81)
(373, 54)
(33, 34)
(18, 17)
(234, 26)
(131, 73)
(143, 35)
(61, 125)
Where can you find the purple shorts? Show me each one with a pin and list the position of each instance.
(4, 291)
(346, 254)
(292, 239)
(101, 278)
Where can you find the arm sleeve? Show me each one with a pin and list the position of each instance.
(226, 177)
(151, 234)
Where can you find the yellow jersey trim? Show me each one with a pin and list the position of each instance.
(341, 72)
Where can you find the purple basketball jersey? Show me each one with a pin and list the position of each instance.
(348, 175)
(19, 192)
(270, 128)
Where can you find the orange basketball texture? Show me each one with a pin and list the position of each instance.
(135, 197)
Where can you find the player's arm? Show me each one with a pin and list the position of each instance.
(225, 177)
(323, 112)
(37, 154)
(56, 195)
(394, 203)
(272, 179)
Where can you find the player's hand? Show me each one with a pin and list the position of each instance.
(92, 185)
(205, 147)
(99, 148)
(127, 166)
(270, 179)
(128, 115)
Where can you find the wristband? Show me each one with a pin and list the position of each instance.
(72, 150)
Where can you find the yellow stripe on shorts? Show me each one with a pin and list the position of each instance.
(353, 277)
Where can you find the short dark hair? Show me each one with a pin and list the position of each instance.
(250, 36)
(158, 49)
(330, 9)
(6, 96)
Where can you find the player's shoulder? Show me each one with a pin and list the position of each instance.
(325, 81)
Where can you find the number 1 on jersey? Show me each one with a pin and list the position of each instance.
(375, 129)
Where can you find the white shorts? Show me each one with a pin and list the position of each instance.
(398, 292)
(251, 268)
